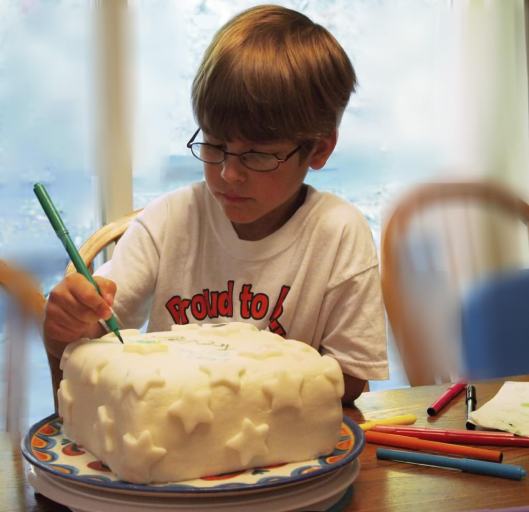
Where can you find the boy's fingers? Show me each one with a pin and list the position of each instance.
(60, 326)
(108, 289)
(67, 302)
(85, 294)
(70, 317)
(73, 308)
(55, 332)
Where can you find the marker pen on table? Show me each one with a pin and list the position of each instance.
(467, 465)
(448, 395)
(455, 435)
(470, 401)
(424, 445)
(403, 419)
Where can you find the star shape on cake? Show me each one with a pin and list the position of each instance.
(140, 379)
(105, 428)
(333, 373)
(139, 455)
(65, 401)
(284, 390)
(68, 351)
(250, 442)
(192, 408)
(326, 389)
(145, 347)
(261, 353)
(90, 370)
(228, 375)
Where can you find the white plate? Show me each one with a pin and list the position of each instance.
(48, 449)
(314, 495)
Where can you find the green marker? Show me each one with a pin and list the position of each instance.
(61, 231)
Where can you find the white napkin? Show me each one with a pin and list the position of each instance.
(508, 410)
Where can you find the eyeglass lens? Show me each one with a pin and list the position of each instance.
(253, 160)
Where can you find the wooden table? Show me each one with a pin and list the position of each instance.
(393, 486)
(382, 485)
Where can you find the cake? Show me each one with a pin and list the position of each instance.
(199, 400)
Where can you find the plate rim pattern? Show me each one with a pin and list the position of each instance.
(175, 488)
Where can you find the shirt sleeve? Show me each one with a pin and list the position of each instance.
(134, 269)
(355, 330)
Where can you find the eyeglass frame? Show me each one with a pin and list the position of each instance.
(239, 155)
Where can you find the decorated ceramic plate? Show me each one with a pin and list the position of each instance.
(47, 448)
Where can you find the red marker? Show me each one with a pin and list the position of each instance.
(450, 393)
(460, 436)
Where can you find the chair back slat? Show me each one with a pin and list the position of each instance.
(102, 240)
(25, 307)
(439, 240)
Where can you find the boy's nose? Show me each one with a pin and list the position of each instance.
(232, 170)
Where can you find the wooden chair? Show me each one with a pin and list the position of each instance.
(437, 243)
(495, 326)
(25, 309)
(102, 240)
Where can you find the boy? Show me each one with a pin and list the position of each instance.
(253, 242)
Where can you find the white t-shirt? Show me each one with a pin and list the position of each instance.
(315, 279)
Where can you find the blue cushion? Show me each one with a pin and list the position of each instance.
(495, 329)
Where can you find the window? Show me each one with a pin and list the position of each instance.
(387, 135)
(44, 129)
(44, 137)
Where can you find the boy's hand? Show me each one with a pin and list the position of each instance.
(73, 310)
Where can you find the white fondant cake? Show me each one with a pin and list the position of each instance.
(199, 400)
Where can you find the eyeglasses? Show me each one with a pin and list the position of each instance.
(253, 160)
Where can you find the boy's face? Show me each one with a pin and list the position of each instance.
(257, 203)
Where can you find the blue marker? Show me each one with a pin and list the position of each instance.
(468, 465)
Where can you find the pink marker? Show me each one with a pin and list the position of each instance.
(448, 395)
(455, 435)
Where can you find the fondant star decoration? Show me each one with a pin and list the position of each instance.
(105, 427)
(65, 356)
(326, 388)
(261, 353)
(90, 371)
(334, 374)
(250, 442)
(139, 455)
(142, 379)
(306, 348)
(192, 409)
(68, 352)
(228, 375)
(145, 347)
(284, 390)
(65, 401)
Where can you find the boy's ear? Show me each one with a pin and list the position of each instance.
(322, 150)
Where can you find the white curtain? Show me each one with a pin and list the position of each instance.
(489, 100)
(113, 115)
(484, 114)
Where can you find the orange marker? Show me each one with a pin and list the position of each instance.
(433, 446)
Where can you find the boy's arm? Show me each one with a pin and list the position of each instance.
(73, 311)
(353, 389)
(71, 305)
(356, 326)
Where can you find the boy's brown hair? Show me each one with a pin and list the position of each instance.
(270, 73)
